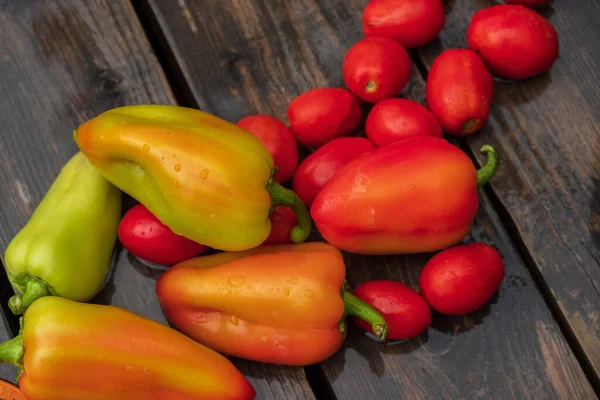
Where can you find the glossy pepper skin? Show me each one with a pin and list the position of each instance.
(417, 195)
(205, 178)
(66, 247)
(280, 304)
(73, 351)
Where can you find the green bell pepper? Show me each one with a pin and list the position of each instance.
(66, 247)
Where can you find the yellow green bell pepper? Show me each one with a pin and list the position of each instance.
(66, 247)
(203, 177)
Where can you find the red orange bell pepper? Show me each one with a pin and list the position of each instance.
(280, 304)
(74, 351)
(417, 195)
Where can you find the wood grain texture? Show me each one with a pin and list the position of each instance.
(62, 63)
(246, 56)
(547, 130)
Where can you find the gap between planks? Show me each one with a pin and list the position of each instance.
(511, 228)
(6, 291)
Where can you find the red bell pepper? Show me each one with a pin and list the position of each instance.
(417, 195)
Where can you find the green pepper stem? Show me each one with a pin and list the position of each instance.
(34, 289)
(487, 172)
(355, 306)
(12, 351)
(281, 196)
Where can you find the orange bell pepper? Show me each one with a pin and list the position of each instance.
(74, 351)
(281, 304)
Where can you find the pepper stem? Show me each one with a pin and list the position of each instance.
(34, 289)
(355, 306)
(12, 351)
(281, 196)
(487, 172)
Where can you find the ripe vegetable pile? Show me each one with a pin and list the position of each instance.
(228, 209)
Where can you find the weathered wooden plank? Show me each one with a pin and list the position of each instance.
(245, 56)
(548, 130)
(62, 63)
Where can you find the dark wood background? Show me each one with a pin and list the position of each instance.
(65, 61)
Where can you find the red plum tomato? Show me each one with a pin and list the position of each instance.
(283, 219)
(144, 236)
(376, 68)
(319, 167)
(393, 120)
(278, 139)
(514, 41)
(405, 311)
(412, 23)
(461, 279)
(459, 91)
(323, 114)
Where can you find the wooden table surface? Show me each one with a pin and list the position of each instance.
(65, 61)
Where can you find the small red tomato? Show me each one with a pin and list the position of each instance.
(514, 42)
(529, 3)
(279, 141)
(412, 23)
(459, 91)
(376, 68)
(323, 114)
(144, 236)
(319, 167)
(393, 120)
(462, 279)
(405, 311)
(283, 219)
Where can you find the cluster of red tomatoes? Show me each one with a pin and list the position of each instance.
(510, 41)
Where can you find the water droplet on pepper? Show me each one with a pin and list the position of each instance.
(236, 280)
(204, 174)
(177, 168)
